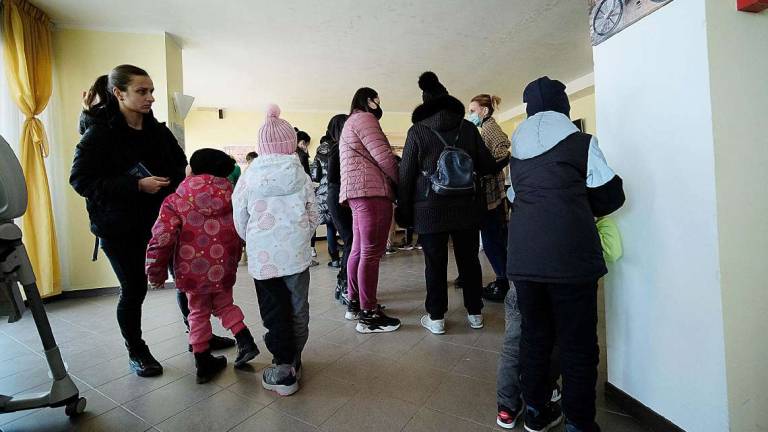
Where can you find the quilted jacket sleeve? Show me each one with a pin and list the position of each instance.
(165, 233)
(374, 140)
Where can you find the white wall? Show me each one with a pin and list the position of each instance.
(663, 304)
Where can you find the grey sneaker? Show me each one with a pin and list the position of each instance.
(435, 326)
(475, 321)
(280, 379)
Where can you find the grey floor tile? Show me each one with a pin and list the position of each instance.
(346, 335)
(117, 419)
(133, 386)
(371, 410)
(269, 420)
(248, 385)
(24, 362)
(220, 412)
(409, 382)
(466, 398)
(492, 336)
(23, 382)
(105, 372)
(479, 364)
(433, 352)
(427, 420)
(358, 367)
(317, 400)
(169, 400)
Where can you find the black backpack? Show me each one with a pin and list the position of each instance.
(455, 173)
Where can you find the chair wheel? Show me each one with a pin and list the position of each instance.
(75, 408)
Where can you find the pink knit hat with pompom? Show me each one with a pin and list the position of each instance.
(276, 136)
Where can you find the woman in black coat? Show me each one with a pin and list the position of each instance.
(435, 217)
(125, 166)
(340, 215)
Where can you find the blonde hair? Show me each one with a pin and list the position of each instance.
(491, 102)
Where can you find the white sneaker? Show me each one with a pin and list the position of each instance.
(314, 253)
(434, 326)
(475, 321)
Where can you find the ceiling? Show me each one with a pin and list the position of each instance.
(313, 55)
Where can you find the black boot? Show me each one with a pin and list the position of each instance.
(246, 348)
(143, 363)
(218, 343)
(208, 366)
(496, 291)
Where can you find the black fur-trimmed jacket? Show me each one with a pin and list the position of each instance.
(418, 205)
(103, 158)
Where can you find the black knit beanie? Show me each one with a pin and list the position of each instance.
(211, 161)
(545, 94)
(430, 86)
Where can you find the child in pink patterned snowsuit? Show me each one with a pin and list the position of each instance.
(196, 231)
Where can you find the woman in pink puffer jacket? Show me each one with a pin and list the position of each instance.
(368, 180)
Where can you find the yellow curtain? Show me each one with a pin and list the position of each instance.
(27, 48)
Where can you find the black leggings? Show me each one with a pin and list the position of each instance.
(127, 258)
(342, 220)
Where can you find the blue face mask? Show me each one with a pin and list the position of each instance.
(475, 119)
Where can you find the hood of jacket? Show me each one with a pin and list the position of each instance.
(276, 175)
(540, 133)
(207, 194)
(91, 117)
(441, 113)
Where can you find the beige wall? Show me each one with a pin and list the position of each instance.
(205, 129)
(79, 57)
(174, 76)
(738, 51)
(582, 107)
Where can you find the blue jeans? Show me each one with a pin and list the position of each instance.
(494, 234)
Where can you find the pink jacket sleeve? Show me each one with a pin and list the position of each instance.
(376, 143)
(165, 233)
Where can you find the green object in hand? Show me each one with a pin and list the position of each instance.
(610, 239)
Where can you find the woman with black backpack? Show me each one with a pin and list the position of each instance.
(437, 196)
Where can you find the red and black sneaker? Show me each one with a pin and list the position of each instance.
(507, 418)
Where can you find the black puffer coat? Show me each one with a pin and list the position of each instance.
(105, 154)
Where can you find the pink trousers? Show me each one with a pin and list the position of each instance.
(201, 306)
(371, 218)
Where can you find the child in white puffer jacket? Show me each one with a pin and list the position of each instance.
(275, 213)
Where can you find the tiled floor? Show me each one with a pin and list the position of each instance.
(403, 381)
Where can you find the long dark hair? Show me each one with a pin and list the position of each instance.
(98, 89)
(335, 125)
(360, 99)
